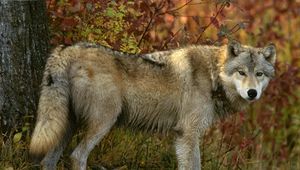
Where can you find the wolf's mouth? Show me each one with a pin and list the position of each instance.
(251, 100)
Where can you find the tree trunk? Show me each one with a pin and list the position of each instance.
(23, 52)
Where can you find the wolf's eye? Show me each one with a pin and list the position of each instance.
(242, 73)
(258, 74)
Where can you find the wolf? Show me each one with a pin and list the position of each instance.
(181, 92)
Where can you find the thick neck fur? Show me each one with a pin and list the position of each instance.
(226, 99)
(212, 59)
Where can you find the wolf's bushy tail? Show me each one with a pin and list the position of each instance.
(53, 115)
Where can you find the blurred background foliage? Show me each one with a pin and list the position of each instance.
(266, 136)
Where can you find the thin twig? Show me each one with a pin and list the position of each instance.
(160, 6)
(234, 29)
(230, 149)
(178, 15)
(155, 14)
(211, 21)
(200, 3)
(178, 8)
(231, 31)
(146, 30)
(170, 39)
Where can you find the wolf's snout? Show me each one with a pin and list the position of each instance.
(252, 93)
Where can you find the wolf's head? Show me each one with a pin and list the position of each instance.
(248, 69)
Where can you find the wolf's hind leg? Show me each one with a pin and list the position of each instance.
(52, 157)
(102, 117)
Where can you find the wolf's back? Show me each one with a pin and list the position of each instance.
(53, 117)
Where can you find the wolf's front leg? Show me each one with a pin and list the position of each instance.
(197, 156)
(188, 152)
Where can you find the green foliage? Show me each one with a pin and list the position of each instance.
(104, 22)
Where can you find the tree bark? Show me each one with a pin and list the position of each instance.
(23, 52)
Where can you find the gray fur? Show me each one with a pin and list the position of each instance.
(250, 58)
(182, 91)
(157, 57)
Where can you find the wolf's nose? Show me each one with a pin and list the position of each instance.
(252, 93)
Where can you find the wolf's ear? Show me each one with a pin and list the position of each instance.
(233, 48)
(270, 53)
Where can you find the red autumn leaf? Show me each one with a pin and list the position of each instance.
(68, 23)
(68, 41)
